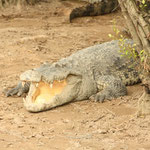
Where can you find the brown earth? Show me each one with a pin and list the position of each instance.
(33, 35)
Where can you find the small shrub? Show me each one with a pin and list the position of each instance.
(129, 50)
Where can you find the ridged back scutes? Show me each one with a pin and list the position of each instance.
(94, 8)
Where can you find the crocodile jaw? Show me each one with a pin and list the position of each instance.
(45, 92)
(42, 95)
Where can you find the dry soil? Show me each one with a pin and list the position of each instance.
(33, 35)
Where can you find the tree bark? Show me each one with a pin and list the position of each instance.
(138, 22)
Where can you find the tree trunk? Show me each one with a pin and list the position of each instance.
(137, 16)
(138, 22)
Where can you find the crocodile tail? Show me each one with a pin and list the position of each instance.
(130, 77)
(94, 9)
(127, 72)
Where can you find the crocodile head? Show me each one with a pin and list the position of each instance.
(51, 87)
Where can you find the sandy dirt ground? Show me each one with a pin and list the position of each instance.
(33, 35)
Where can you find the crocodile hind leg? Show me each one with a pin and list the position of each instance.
(19, 90)
(109, 87)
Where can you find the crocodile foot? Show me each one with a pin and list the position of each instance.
(19, 90)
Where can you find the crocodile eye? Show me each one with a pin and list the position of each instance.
(45, 91)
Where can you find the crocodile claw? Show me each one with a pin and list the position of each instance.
(19, 90)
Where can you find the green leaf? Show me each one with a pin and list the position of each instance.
(143, 1)
(109, 35)
(142, 58)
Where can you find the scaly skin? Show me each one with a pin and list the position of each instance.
(98, 72)
(94, 8)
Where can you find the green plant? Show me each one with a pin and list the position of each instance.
(143, 5)
(140, 57)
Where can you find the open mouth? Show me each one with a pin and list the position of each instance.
(44, 92)
(44, 95)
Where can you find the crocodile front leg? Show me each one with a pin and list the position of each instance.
(109, 87)
(19, 90)
(23, 87)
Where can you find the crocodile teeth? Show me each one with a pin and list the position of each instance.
(24, 100)
(37, 85)
(23, 83)
(51, 85)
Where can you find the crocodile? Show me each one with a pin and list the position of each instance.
(94, 8)
(98, 72)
